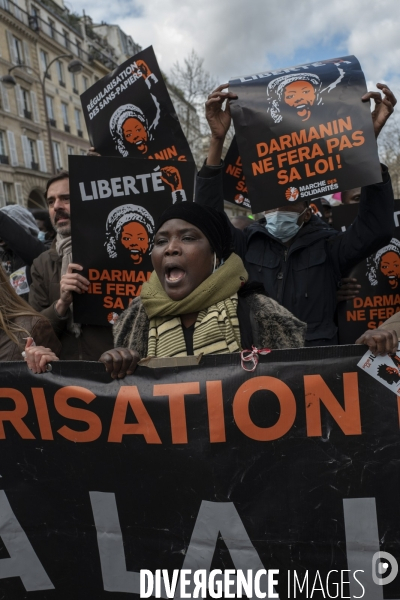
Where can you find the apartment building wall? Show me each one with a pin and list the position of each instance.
(32, 34)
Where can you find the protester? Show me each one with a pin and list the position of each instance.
(197, 301)
(46, 231)
(19, 321)
(299, 259)
(241, 221)
(54, 280)
(352, 196)
(19, 245)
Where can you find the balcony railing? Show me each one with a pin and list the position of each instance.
(4, 159)
(67, 128)
(53, 122)
(35, 166)
(27, 114)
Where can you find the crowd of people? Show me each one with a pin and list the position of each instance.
(217, 286)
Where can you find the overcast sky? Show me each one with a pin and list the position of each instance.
(249, 36)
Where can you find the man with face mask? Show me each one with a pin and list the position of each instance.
(298, 258)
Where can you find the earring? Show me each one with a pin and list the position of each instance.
(215, 262)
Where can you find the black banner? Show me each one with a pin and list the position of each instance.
(292, 468)
(234, 183)
(379, 277)
(130, 113)
(114, 207)
(304, 132)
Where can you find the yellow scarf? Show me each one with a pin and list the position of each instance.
(216, 330)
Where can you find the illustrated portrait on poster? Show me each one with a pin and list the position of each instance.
(129, 229)
(299, 96)
(129, 112)
(385, 265)
(304, 132)
(378, 276)
(384, 369)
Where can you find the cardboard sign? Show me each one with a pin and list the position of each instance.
(234, 183)
(114, 207)
(292, 469)
(304, 132)
(379, 277)
(130, 113)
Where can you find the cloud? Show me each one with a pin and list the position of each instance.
(250, 36)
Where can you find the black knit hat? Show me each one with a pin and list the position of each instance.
(212, 223)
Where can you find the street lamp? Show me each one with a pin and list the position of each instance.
(74, 66)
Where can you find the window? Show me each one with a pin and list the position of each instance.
(74, 84)
(17, 51)
(66, 39)
(82, 152)
(50, 110)
(85, 81)
(60, 73)
(70, 150)
(3, 149)
(52, 28)
(78, 48)
(25, 95)
(44, 60)
(78, 122)
(9, 193)
(34, 18)
(64, 110)
(57, 155)
(33, 154)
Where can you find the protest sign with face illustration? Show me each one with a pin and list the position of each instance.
(385, 369)
(113, 218)
(130, 113)
(304, 132)
(379, 277)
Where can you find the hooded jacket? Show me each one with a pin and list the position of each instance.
(304, 277)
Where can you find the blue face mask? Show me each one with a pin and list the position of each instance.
(42, 236)
(283, 224)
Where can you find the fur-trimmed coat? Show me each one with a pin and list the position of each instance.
(272, 326)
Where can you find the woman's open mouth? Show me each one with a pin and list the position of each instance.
(174, 274)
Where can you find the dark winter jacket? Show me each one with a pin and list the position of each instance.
(272, 326)
(43, 295)
(304, 277)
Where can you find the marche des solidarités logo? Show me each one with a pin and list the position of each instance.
(292, 194)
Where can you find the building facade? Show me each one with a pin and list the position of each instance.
(39, 37)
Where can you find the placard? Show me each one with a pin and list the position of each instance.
(114, 208)
(304, 132)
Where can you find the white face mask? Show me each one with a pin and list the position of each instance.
(42, 236)
(283, 224)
